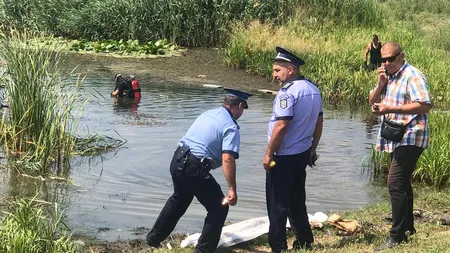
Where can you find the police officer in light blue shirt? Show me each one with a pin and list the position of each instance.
(294, 132)
(213, 140)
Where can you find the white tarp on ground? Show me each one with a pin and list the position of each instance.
(247, 230)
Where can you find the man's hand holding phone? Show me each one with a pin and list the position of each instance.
(375, 107)
(382, 76)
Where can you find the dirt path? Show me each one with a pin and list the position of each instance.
(176, 69)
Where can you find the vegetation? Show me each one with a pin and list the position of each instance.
(37, 129)
(186, 23)
(31, 226)
(334, 56)
(40, 127)
(129, 47)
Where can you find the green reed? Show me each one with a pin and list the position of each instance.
(33, 226)
(185, 22)
(434, 164)
(345, 12)
(38, 126)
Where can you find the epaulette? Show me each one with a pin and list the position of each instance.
(287, 85)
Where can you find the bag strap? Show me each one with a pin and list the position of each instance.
(384, 117)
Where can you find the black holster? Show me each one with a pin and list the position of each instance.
(186, 159)
(181, 156)
(205, 166)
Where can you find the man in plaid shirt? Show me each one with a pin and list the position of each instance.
(401, 96)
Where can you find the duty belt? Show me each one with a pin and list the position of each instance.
(185, 158)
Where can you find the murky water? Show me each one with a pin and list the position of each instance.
(127, 188)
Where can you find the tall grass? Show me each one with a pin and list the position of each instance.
(185, 22)
(334, 56)
(434, 164)
(37, 129)
(31, 227)
(344, 12)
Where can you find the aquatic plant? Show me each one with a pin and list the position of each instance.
(32, 226)
(95, 144)
(129, 47)
(37, 128)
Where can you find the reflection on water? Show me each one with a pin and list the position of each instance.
(127, 188)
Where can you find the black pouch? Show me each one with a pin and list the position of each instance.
(392, 131)
(181, 156)
(205, 167)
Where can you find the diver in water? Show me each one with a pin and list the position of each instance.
(126, 87)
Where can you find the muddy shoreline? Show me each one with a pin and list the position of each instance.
(193, 67)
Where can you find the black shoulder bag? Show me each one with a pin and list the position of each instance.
(392, 131)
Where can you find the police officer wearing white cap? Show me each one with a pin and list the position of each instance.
(294, 132)
(213, 140)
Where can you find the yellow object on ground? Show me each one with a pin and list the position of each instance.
(343, 226)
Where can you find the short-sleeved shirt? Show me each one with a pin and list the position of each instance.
(300, 102)
(407, 86)
(213, 133)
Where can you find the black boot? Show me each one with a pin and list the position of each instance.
(297, 245)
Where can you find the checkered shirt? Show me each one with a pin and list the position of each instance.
(408, 85)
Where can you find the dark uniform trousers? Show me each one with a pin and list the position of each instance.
(286, 196)
(403, 163)
(187, 184)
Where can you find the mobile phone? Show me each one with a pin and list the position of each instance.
(374, 106)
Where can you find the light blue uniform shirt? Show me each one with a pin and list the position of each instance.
(300, 102)
(213, 133)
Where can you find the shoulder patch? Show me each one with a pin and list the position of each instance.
(283, 102)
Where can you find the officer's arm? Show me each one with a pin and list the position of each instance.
(317, 132)
(115, 93)
(279, 131)
(229, 171)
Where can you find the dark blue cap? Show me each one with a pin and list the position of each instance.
(240, 94)
(285, 55)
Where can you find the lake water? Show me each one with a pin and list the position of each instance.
(128, 187)
(125, 189)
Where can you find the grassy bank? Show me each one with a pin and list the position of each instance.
(33, 226)
(334, 55)
(430, 205)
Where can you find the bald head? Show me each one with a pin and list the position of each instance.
(392, 46)
(392, 57)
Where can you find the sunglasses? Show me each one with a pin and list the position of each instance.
(390, 59)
